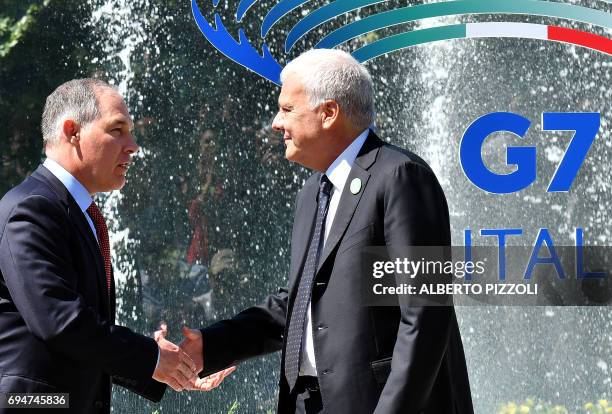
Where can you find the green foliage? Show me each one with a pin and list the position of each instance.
(234, 408)
(532, 406)
(600, 407)
(37, 54)
(11, 32)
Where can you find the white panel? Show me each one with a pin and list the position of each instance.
(505, 29)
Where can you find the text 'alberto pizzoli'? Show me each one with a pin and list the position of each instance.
(411, 269)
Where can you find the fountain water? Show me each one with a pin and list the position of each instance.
(212, 179)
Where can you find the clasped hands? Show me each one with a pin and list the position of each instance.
(180, 365)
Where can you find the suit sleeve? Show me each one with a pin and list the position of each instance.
(416, 214)
(152, 390)
(253, 332)
(37, 267)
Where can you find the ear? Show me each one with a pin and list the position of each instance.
(71, 131)
(330, 112)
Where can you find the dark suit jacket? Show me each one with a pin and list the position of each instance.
(57, 331)
(402, 359)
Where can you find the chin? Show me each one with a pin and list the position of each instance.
(290, 154)
(117, 185)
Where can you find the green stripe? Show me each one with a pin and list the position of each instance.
(404, 40)
(423, 11)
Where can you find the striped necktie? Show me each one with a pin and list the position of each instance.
(295, 333)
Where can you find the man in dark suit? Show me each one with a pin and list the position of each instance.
(338, 355)
(57, 293)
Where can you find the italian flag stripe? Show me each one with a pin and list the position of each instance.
(576, 37)
(539, 31)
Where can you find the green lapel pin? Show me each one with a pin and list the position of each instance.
(355, 186)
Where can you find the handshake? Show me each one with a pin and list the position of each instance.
(179, 366)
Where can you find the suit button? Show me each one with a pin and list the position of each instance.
(98, 404)
(326, 371)
(321, 327)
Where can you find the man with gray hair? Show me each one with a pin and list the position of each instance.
(57, 292)
(338, 355)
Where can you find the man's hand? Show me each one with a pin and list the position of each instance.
(212, 381)
(175, 367)
(193, 346)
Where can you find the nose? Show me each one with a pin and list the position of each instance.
(131, 147)
(277, 123)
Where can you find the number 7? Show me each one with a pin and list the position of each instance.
(586, 125)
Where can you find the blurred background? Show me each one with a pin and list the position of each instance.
(202, 228)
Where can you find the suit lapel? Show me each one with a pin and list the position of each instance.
(78, 217)
(306, 211)
(345, 212)
(348, 200)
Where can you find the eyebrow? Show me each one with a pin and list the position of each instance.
(122, 121)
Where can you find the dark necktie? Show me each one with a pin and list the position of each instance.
(103, 242)
(295, 333)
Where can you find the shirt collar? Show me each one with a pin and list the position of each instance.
(340, 169)
(74, 187)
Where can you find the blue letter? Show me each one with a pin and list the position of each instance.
(523, 157)
(501, 236)
(467, 241)
(580, 273)
(544, 237)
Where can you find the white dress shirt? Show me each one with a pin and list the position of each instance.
(337, 173)
(74, 187)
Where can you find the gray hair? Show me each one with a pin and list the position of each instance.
(335, 74)
(76, 100)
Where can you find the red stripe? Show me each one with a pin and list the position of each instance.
(577, 37)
